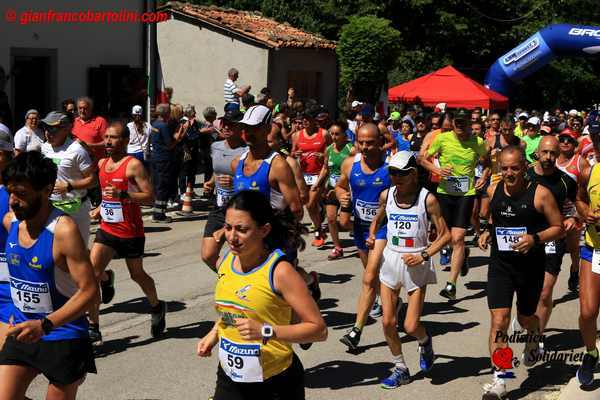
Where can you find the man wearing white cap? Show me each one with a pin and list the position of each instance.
(139, 134)
(532, 138)
(408, 209)
(521, 122)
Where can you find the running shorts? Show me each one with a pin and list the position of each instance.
(123, 247)
(215, 221)
(554, 255)
(456, 210)
(395, 274)
(62, 362)
(361, 234)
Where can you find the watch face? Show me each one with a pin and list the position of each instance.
(267, 331)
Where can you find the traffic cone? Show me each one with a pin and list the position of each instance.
(187, 208)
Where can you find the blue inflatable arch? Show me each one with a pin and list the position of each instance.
(559, 40)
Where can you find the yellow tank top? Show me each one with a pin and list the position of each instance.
(251, 295)
(592, 234)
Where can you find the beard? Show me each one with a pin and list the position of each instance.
(547, 164)
(27, 213)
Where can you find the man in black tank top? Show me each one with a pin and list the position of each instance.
(523, 216)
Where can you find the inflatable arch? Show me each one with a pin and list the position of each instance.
(538, 50)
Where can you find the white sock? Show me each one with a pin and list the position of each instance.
(399, 362)
(498, 373)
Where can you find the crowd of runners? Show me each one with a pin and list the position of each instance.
(406, 187)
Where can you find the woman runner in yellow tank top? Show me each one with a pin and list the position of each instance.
(255, 294)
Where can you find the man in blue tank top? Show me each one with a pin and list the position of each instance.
(6, 152)
(362, 180)
(51, 283)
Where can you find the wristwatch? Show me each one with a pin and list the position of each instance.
(536, 239)
(47, 326)
(267, 333)
(425, 255)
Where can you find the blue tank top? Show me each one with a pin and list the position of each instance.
(258, 181)
(401, 143)
(5, 299)
(365, 189)
(37, 286)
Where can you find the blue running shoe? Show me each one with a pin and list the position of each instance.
(398, 378)
(585, 373)
(376, 310)
(445, 256)
(426, 355)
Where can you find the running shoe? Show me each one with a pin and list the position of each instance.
(95, 334)
(464, 269)
(108, 287)
(376, 310)
(574, 282)
(351, 338)
(495, 390)
(398, 378)
(426, 355)
(336, 254)
(445, 257)
(315, 289)
(516, 326)
(158, 322)
(585, 373)
(319, 240)
(449, 291)
(531, 351)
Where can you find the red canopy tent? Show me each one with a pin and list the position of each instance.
(447, 85)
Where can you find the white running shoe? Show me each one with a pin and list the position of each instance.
(516, 326)
(495, 390)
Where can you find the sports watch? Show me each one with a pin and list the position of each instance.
(47, 326)
(425, 255)
(267, 332)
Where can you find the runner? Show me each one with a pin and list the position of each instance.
(363, 178)
(6, 154)
(563, 188)
(222, 153)
(256, 294)
(408, 208)
(588, 203)
(532, 138)
(523, 216)
(76, 170)
(572, 164)
(458, 153)
(335, 155)
(52, 284)
(125, 185)
(309, 146)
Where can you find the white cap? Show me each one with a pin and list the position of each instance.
(403, 160)
(523, 115)
(137, 110)
(356, 103)
(573, 113)
(256, 115)
(534, 121)
(441, 107)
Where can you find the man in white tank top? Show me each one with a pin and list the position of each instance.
(407, 263)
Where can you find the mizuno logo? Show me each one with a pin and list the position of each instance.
(11, 244)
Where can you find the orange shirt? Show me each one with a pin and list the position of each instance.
(91, 132)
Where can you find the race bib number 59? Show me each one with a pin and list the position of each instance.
(240, 361)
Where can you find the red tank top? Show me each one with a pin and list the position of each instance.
(120, 217)
(571, 168)
(309, 162)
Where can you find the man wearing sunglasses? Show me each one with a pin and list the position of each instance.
(406, 262)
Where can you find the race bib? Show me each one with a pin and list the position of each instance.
(507, 237)
(223, 196)
(310, 179)
(596, 261)
(457, 184)
(366, 210)
(403, 225)
(4, 274)
(111, 211)
(333, 180)
(550, 247)
(478, 170)
(31, 297)
(241, 361)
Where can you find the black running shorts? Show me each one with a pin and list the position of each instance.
(456, 210)
(554, 256)
(123, 247)
(215, 221)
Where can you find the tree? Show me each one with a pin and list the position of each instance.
(367, 50)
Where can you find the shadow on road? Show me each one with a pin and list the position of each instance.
(563, 339)
(566, 297)
(153, 229)
(337, 279)
(456, 368)
(337, 375)
(140, 306)
(549, 376)
(478, 261)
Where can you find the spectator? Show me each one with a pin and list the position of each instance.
(231, 92)
(139, 135)
(166, 96)
(30, 137)
(247, 102)
(69, 107)
(90, 128)
(208, 134)
(164, 142)
(191, 146)
(291, 97)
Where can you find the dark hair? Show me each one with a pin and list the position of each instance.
(66, 102)
(286, 231)
(247, 100)
(119, 123)
(340, 123)
(31, 167)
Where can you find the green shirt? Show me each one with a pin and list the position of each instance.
(335, 160)
(462, 156)
(532, 145)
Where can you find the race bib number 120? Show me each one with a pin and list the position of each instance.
(241, 361)
(507, 237)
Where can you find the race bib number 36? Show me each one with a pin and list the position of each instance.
(31, 297)
(457, 184)
(111, 211)
(507, 237)
(366, 210)
(240, 361)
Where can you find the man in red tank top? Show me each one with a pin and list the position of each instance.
(125, 185)
(309, 147)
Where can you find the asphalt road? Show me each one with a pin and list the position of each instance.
(133, 365)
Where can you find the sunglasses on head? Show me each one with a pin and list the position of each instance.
(399, 172)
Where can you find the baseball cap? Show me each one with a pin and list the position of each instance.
(573, 113)
(535, 121)
(523, 115)
(56, 118)
(594, 127)
(395, 116)
(137, 110)
(569, 133)
(6, 141)
(356, 103)
(403, 160)
(440, 107)
(232, 116)
(257, 115)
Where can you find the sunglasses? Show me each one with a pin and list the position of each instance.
(566, 139)
(399, 172)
